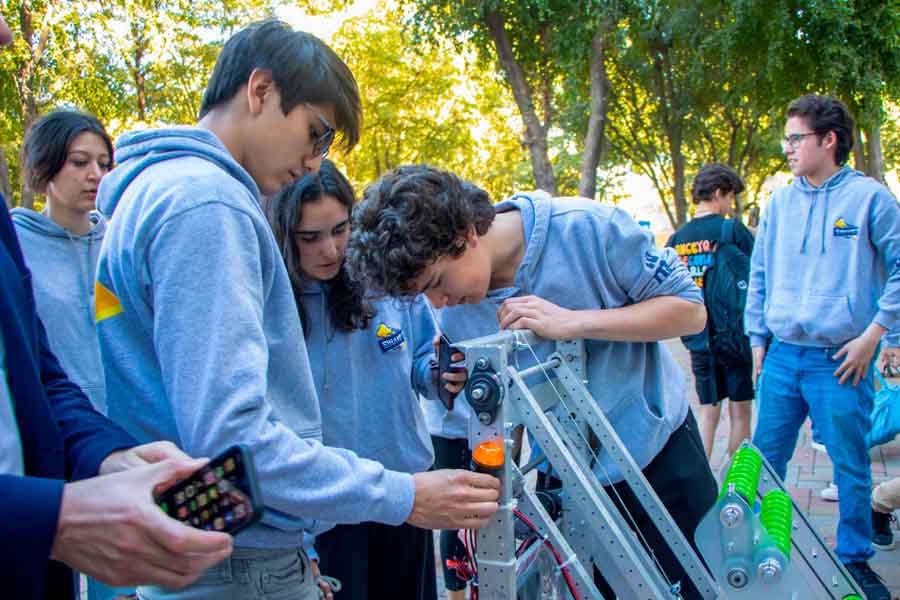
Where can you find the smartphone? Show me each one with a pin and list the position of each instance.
(221, 496)
(445, 351)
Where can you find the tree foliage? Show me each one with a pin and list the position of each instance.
(426, 104)
(130, 62)
(558, 94)
(688, 82)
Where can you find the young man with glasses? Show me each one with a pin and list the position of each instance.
(824, 290)
(57, 512)
(199, 331)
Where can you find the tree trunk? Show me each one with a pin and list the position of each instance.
(859, 153)
(679, 178)
(875, 163)
(535, 131)
(26, 76)
(5, 187)
(139, 42)
(593, 142)
(672, 125)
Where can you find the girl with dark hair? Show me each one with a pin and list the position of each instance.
(65, 154)
(370, 360)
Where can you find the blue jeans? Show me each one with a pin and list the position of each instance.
(797, 381)
(248, 574)
(98, 590)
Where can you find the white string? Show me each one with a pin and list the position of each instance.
(524, 341)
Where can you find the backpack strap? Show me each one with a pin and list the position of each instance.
(727, 234)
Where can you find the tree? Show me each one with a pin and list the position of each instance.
(30, 62)
(536, 45)
(126, 61)
(422, 104)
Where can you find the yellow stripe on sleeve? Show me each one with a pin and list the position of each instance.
(106, 304)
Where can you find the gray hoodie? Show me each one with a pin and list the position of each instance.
(826, 263)
(62, 267)
(202, 341)
(583, 255)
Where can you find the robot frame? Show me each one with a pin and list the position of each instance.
(755, 540)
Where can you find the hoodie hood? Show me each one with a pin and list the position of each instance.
(138, 150)
(39, 223)
(535, 210)
(817, 197)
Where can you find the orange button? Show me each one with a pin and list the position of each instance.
(489, 454)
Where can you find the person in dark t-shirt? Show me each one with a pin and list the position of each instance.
(714, 192)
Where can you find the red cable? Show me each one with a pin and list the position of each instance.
(565, 570)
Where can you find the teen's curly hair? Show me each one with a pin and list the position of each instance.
(409, 219)
(347, 305)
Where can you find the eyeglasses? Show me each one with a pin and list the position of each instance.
(795, 139)
(321, 141)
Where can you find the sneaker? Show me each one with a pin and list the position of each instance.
(882, 536)
(871, 583)
(830, 493)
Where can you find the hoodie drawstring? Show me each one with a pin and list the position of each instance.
(809, 218)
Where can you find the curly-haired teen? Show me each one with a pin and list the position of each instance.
(824, 289)
(198, 325)
(565, 269)
(369, 360)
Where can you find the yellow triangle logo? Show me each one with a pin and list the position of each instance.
(383, 331)
(106, 304)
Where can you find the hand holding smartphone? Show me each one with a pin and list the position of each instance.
(445, 351)
(221, 496)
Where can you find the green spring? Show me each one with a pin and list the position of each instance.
(775, 516)
(744, 474)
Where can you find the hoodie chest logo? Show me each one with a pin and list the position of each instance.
(390, 338)
(845, 230)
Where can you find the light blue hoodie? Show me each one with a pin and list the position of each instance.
(826, 263)
(584, 255)
(62, 267)
(367, 380)
(202, 341)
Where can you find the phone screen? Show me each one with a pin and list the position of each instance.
(221, 496)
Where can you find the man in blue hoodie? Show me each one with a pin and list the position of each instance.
(199, 331)
(565, 268)
(56, 512)
(824, 289)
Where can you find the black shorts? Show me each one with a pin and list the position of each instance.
(714, 382)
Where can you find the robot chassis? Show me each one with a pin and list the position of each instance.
(753, 546)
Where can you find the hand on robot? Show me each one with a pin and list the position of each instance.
(454, 499)
(454, 380)
(538, 315)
